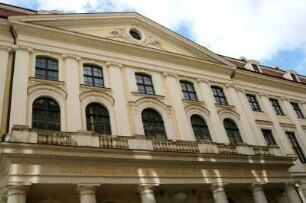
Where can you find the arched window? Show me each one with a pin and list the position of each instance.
(46, 114)
(97, 119)
(144, 83)
(200, 128)
(153, 124)
(232, 131)
(93, 75)
(188, 90)
(219, 95)
(46, 68)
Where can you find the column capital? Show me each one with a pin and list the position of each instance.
(6, 48)
(16, 189)
(168, 74)
(217, 187)
(87, 187)
(23, 48)
(202, 80)
(66, 56)
(290, 185)
(256, 186)
(230, 86)
(261, 94)
(284, 99)
(146, 188)
(110, 63)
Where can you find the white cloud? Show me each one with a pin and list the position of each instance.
(256, 29)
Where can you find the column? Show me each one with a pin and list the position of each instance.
(292, 194)
(249, 114)
(183, 122)
(146, 194)
(20, 84)
(219, 193)
(73, 105)
(248, 135)
(285, 144)
(118, 89)
(209, 99)
(4, 54)
(258, 194)
(87, 192)
(16, 194)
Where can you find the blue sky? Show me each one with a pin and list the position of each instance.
(270, 31)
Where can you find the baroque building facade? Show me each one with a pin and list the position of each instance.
(115, 108)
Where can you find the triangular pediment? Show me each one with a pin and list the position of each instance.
(118, 27)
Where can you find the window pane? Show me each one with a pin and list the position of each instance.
(153, 124)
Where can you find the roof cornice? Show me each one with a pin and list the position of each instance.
(133, 18)
(269, 81)
(71, 37)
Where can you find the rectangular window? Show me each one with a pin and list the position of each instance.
(144, 83)
(276, 106)
(188, 90)
(297, 110)
(295, 146)
(268, 137)
(253, 102)
(219, 95)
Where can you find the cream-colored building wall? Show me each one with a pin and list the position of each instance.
(119, 74)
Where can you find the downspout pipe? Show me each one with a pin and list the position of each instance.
(11, 82)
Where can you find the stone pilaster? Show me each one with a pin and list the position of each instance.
(118, 88)
(19, 90)
(74, 121)
(4, 55)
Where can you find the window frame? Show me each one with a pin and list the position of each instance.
(277, 107)
(232, 132)
(294, 78)
(295, 146)
(142, 87)
(187, 92)
(256, 68)
(51, 117)
(156, 124)
(103, 119)
(47, 70)
(93, 77)
(268, 136)
(297, 109)
(200, 127)
(252, 99)
(219, 95)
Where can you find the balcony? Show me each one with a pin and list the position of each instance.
(87, 139)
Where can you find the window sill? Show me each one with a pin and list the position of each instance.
(95, 88)
(196, 102)
(45, 81)
(148, 95)
(224, 106)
